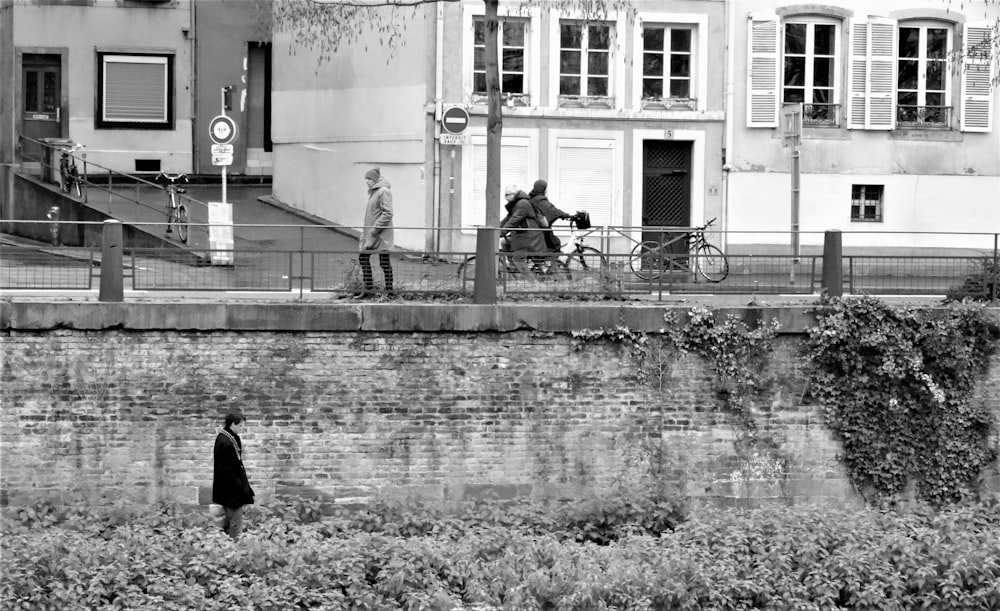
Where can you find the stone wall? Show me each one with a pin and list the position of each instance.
(103, 402)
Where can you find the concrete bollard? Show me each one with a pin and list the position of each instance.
(484, 291)
(833, 263)
(112, 283)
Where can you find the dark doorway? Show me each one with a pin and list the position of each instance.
(666, 192)
(41, 114)
(259, 96)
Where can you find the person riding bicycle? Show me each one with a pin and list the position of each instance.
(547, 209)
(516, 228)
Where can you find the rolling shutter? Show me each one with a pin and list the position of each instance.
(135, 89)
(586, 179)
(977, 67)
(762, 71)
(515, 154)
(872, 75)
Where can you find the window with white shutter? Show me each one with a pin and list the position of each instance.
(135, 91)
(586, 178)
(872, 78)
(515, 153)
(762, 71)
(977, 68)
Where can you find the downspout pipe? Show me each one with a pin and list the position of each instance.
(438, 92)
(730, 116)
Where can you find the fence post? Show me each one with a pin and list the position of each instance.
(833, 263)
(484, 289)
(994, 289)
(112, 282)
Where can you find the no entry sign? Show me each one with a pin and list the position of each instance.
(454, 120)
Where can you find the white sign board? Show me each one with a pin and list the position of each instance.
(791, 124)
(220, 233)
(222, 160)
(222, 149)
(454, 139)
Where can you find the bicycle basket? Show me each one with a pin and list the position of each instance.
(582, 220)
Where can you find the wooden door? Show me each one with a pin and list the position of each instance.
(666, 192)
(41, 112)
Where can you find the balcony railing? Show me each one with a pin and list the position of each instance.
(586, 101)
(821, 115)
(669, 104)
(923, 116)
(507, 99)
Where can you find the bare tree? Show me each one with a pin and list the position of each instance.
(327, 25)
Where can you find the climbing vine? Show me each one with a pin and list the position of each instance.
(897, 386)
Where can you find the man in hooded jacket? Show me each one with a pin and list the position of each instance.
(377, 234)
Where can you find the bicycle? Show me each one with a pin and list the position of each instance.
(69, 176)
(649, 260)
(582, 259)
(177, 212)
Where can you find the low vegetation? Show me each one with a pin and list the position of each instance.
(606, 554)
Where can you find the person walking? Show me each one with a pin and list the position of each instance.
(230, 486)
(521, 219)
(377, 235)
(547, 209)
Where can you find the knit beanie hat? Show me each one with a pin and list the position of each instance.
(373, 174)
(540, 186)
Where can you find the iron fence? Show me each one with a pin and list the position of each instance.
(297, 260)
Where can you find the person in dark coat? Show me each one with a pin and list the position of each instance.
(230, 486)
(521, 218)
(546, 208)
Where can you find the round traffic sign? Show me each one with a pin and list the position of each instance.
(222, 130)
(455, 119)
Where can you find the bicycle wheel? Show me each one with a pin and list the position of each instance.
(583, 261)
(182, 222)
(646, 261)
(712, 264)
(64, 178)
(74, 182)
(467, 269)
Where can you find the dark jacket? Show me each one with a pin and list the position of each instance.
(230, 486)
(544, 206)
(520, 216)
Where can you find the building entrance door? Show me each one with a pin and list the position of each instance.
(41, 102)
(666, 192)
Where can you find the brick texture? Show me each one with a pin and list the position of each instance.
(101, 416)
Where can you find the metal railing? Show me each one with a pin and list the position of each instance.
(317, 260)
(923, 116)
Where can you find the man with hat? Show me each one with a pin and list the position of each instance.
(376, 235)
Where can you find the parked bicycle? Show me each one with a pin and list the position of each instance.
(177, 212)
(580, 259)
(69, 176)
(650, 259)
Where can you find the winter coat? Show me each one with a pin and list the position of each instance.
(521, 215)
(377, 234)
(544, 206)
(230, 486)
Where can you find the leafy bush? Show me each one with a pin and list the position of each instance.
(769, 558)
(980, 284)
(897, 386)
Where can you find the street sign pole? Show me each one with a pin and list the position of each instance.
(791, 128)
(223, 106)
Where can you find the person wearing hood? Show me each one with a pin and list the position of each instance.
(377, 234)
(547, 209)
(230, 486)
(520, 222)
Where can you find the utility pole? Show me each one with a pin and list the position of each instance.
(791, 136)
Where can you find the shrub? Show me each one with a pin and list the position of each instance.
(769, 558)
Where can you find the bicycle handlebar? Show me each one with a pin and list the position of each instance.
(173, 178)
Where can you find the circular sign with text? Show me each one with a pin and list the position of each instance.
(222, 130)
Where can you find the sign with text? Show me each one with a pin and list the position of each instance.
(455, 139)
(220, 233)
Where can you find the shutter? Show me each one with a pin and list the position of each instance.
(872, 75)
(514, 171)
(977, 66)
(857, 77)
(762, 71)
(881, 103)
(586, 178)
(135, 89)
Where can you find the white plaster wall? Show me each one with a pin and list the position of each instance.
(760, 210)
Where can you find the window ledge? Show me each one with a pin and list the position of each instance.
(935, 134)
(605, 114)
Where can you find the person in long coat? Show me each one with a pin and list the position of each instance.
(377, 234)
(552, 214)
(521, 218)
(230, 485)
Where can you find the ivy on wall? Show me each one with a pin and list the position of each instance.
(897, 385)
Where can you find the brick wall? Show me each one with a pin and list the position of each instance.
(108, 402)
